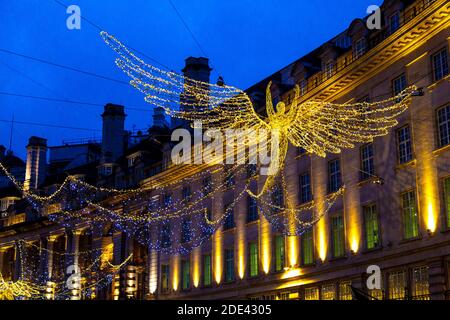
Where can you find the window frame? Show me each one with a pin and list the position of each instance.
(433, 66)
(339, 176)
(398, 144)
(438, 129)
(379, 243)
(363, 174)
(342, 238)
(309, 197)
(413, 192)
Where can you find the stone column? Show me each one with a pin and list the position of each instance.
(50, 248)
(2, 258)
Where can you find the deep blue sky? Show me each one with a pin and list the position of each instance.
(246, 40)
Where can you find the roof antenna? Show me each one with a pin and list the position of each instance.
(11, 133)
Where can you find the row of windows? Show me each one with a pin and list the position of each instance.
(337, 232)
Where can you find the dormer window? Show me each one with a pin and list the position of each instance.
(303, 87)
(329, 68)
(106, 170)
(394, 22)
(359, 48)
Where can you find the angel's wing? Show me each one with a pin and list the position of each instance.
(217, 106)
(322, 127)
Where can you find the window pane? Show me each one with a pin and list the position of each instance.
(252, 209)
(229, 220)
(328, 292)
(185, 266)
(410, 217)
(305, 188)
(337, 234)
(371, 226)
(164, 277)
(440, 64)
(253, 259)
(421, 287)
(443, 118)
(404, 145)
(367, 165)
(312, 293)
(279, 253)
(229, 265)
(397, 285)
(334, 176)
(207, 270)
(307, 247)
(345, 291)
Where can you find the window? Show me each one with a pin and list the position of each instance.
(305, 188)
(345, 291)
(307, 247)
(399, 84)
(165, 236)
(394, 22)
(207, 270)
(186, 193)
(186, 230)
(360, 48)
(164, 277)
(167, 199)
(371, 226)
(410, 217)
(253, 259)
(279, 253)
(252, 209)
(421, 287)
(404, 145)
(443, 118)
(328, 291)
(229, 219)
(207, 185)
(329, 67)
(334, 176)
(229, 265)
(251, 170)
(367, 166)
(397, 285)
(186, 271)
(447, 199)
(303, 87)
(312, 293)
(337, 235)
(277, 199)
(440, 64)
(229, 179)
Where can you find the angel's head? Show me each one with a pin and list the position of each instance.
(281, 108)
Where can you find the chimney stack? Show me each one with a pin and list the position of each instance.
(196, 69)
(36, 163)
(113, 133)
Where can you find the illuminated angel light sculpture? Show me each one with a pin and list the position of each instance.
(317, 127)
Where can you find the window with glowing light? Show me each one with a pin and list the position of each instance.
(229, 265)
(421, 286)
(307, 247)
(312, 293)
(440, 64)
(186, 274)
(404, 145)
(443, 119)
(410, 215)
(337, 235)
(367, 164)
(447, 199)
(345, 291)
(305, 188)
(207, 270)
(328, 291)
(334, 175)
(253, 259)
(279, 253)
(397, 285)
(371, 226)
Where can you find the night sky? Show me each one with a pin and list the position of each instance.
(245, 40)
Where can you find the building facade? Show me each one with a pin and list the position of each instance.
(394, 215)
